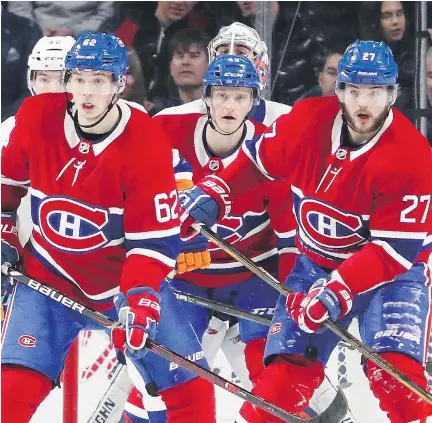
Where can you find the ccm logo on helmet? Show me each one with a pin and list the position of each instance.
(27, 341)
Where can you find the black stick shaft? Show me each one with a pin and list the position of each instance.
(220, 307)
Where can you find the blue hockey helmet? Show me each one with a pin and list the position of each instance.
(98, 51)
(367, 63)
(231, 71)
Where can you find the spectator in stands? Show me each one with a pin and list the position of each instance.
(248, 9)
(328, 73)
(188, 62)
(18, 37)
(63, 18)
(135, 84)
(157, 24)
(389, 21)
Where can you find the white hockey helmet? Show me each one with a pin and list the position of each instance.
(49, 54)
(241, 34)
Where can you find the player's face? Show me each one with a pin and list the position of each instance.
(92, 92)
(229, 106)
(47, 82)
(365, 107)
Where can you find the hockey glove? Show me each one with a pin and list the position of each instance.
(10, 246)
(194, 254)
(138, 314)
(204, 203)
(325, 299)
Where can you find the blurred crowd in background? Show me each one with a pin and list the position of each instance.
(167, 43)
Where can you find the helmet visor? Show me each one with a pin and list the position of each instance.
(90, 83)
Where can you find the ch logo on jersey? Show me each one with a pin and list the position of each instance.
(327, 226)
(228, 228)
(72, 226)
(27, 341)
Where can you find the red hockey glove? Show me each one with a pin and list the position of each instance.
(205, 203)
(325, 299)
(139, 312)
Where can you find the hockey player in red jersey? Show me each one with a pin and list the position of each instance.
(104, 228)
(209, 142)
(361, 186)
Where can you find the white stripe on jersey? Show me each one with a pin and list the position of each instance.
(292, 250)
(183, 175)
(392, 253)
(398, 234)
(152, 254)
(259, 228)
(289, 234)
(13, 183)
(235, 264)
(152, 234)
(114, 242)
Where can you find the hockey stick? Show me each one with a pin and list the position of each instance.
(156, 348)
(343, 334)
(338, 408)
(220, 307)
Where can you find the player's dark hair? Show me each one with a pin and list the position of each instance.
(185, 38)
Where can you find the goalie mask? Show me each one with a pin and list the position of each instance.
(232, 38)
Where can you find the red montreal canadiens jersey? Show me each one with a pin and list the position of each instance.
(254, 217)
(104, 213)
(365, 211)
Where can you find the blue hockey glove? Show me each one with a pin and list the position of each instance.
(204, 203)
(138, 314)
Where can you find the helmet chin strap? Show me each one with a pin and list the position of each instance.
(218, 129)
(75, 116)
